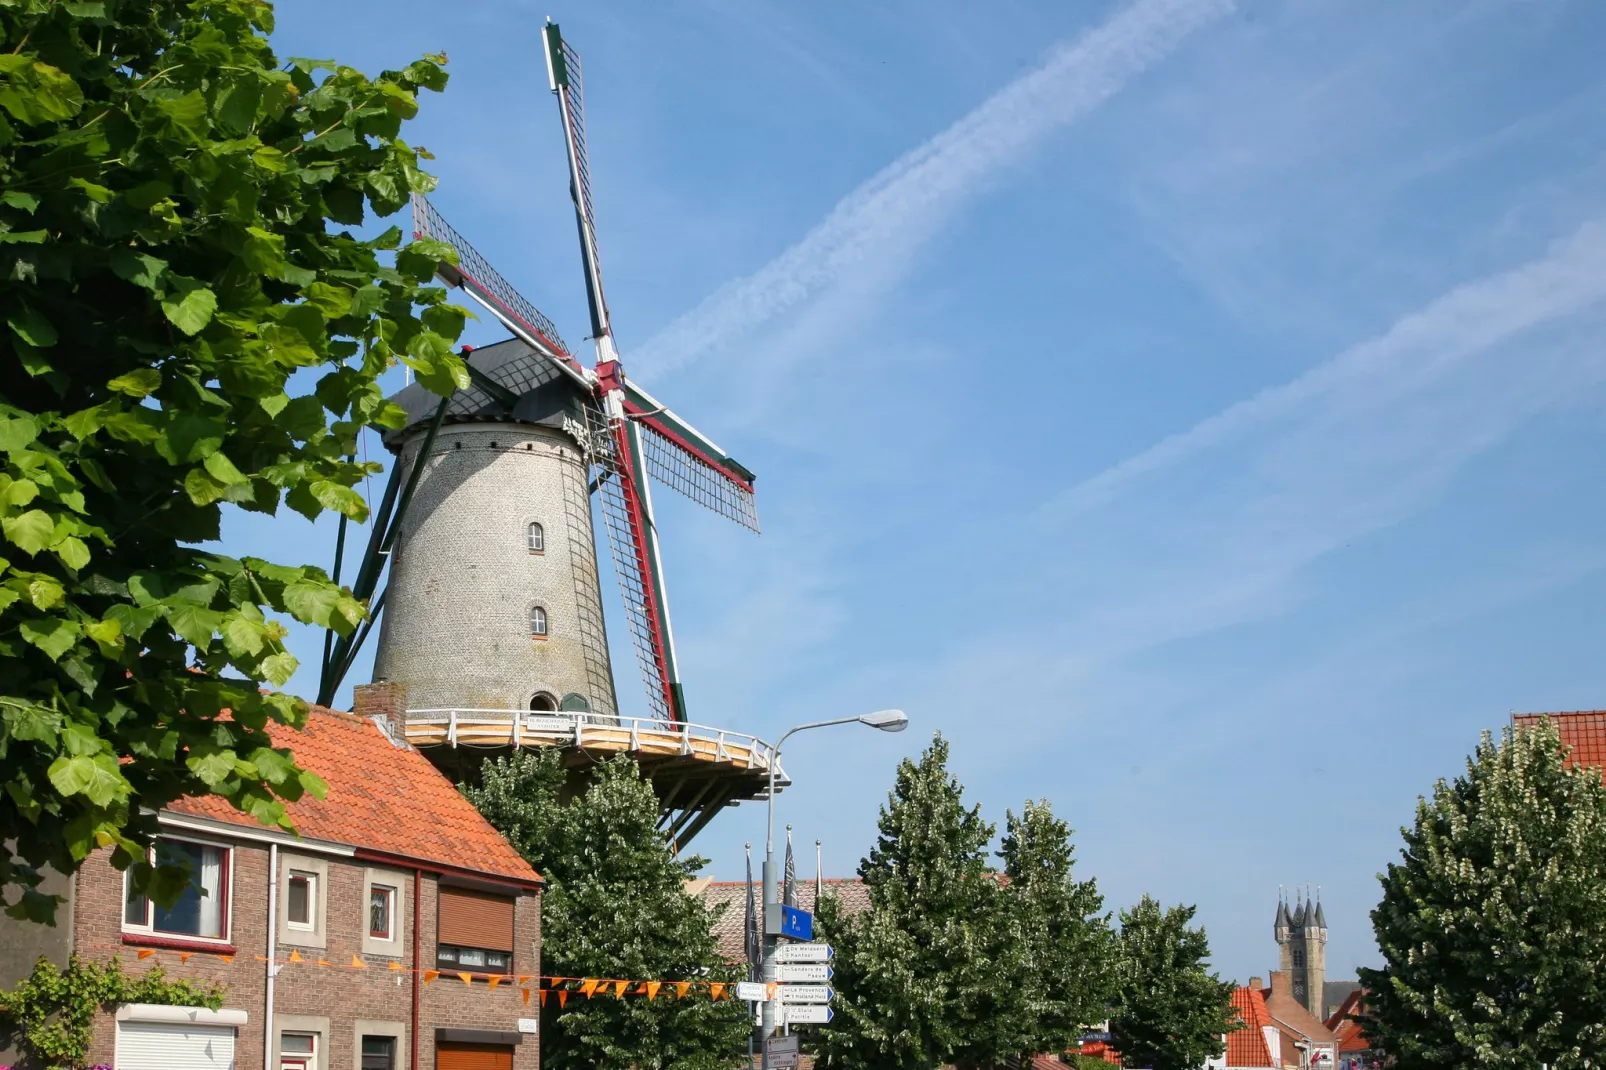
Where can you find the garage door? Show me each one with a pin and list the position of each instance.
(453, 1055)
(174, 1046)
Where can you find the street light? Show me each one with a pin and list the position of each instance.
(884, 720)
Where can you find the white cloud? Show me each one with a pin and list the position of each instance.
(899, 207)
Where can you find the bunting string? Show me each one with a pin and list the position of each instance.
(547, 985)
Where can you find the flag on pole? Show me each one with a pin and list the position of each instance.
(755, 946)
(789, 887)
(819, 877)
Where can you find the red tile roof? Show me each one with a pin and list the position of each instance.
(1247, 1046)
(382, 798)
(1583, 732)
(1349, 1033)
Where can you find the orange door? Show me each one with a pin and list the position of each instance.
(451, 1055)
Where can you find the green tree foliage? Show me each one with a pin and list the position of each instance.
(914, 975)
(1170, 1012)
(615, 907)
(1057, 950)
(182, 328)
(1493, 924)
(955, 963)
(50, 1014)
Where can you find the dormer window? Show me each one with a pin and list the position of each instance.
(537, 623)
(535, 538)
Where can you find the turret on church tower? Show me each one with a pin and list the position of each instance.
(1302, 943)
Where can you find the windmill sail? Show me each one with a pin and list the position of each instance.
(563, 73)
(683, 459)
(475, 275)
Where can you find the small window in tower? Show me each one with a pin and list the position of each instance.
(544, 703)
(1299, 958)
(537, 623)
(535, 538)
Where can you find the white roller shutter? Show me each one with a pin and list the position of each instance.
(174, 1046)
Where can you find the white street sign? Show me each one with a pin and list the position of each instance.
(806, 1014)
(783, 1051)
(753, 990)
(804, 971)
(806, 993)
(804, 953)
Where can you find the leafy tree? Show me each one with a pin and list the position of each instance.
(1055, 957)
(1493, 924)
(615, 907)
(1170, 1012)
(914, 976)
(182, 328)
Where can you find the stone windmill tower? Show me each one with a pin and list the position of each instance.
(481, 565)
(1302, 945)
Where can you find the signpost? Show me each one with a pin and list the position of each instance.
(796, 924)
(803, 971)
(804, 1013)
(804, 953)
(782, 1052)
(806, 993)
(755, 990)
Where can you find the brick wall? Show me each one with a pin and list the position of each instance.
(308, 995)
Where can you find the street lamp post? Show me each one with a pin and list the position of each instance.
(886, 721)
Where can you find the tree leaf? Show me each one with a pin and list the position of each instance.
(51, 634)
(32, 327)
(190, 305)
(30, 532)
(90, 777)
(73, 552)
(137, 383)
(194, 624)
(278, 668)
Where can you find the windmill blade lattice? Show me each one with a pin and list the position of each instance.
(681, 470)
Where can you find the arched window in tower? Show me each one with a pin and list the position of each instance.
(535, 538)
(537, 622)
(1299, 958)
(543, 703)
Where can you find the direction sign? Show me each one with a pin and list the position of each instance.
(797, 924)
(755, 990)
(806, 1014)
(805, 993)
(804, 953)
(782, 1052)
(803, 971)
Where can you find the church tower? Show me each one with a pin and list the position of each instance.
(1302, 945)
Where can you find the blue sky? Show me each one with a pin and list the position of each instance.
(1191, 410)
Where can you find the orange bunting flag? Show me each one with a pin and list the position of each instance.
(295, 956)
(184, 956)
(526, 996)
(468, 978)
(563, 998)
(430, 975)
(145, 952)
(544, 995)
(716, 991)
(619, 989)
(394, 965)
(588, 987)
(227, 958)
(357, 963)
(681, 988)
(652, 990)
(494, 980)
(526, 978)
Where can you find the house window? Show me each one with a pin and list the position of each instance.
(378, 1053)
(475, 931)
(301, 901)
(202, 908)
(535, 538)
(537, 623)
(381, 912)
(298, 1051)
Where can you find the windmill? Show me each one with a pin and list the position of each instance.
(535, 434)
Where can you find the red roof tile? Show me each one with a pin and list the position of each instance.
(382, 797)
(1247, 1046)
(1349, 1033)
(1583, 732)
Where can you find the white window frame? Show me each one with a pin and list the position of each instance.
(394, 946)
(391, 892)
(311, 924)
(535, 537)
(225, 889)
(309, 1060)
(539, 614)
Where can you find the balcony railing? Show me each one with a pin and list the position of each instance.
(647, 737)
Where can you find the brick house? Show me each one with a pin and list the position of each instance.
(341, 948)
